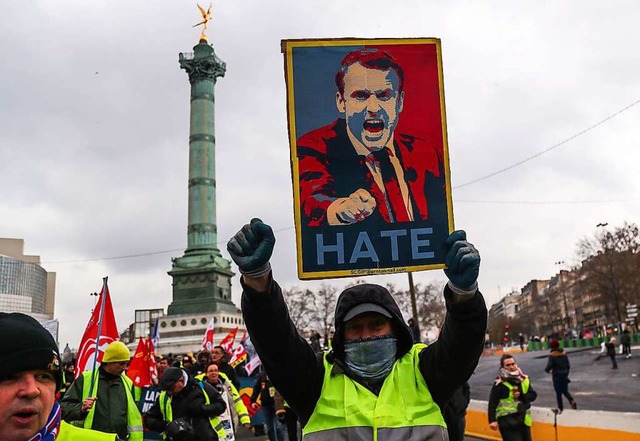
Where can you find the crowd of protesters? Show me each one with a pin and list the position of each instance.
(41, 400)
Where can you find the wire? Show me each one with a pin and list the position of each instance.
(553, 147)
(543, 202)
(154, 253)
(129, 256)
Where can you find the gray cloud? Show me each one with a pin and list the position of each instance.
(94, 153)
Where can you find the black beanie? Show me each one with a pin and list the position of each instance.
(27, 345)
(170, 376)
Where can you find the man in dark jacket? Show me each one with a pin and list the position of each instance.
(265, 390)
(373, 357)
(187, 410)
(558, 365)
(30, 376)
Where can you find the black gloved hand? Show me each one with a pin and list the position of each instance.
(463, 262)
(282, 415)
(251, 248)
(179, 429)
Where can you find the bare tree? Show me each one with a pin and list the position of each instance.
(301, 307)
(610, 262)
(430, 302)
(324, 305)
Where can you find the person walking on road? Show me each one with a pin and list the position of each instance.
(339, 394)
(611, 351)
(625, 340)
(558, 365)
(510, 402)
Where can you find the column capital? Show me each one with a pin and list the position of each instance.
(202, 64)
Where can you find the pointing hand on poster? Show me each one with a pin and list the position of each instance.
(346, 211)
(251, 248)
(463, 264)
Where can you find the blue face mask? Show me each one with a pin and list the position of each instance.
(371, 359)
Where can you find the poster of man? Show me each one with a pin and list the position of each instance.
(369, 154)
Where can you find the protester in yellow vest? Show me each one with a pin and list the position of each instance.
(111, 406)
(238, 412)
(510, 402)
(30, 376)
(187, 409)
(374, 384)
(68, 374)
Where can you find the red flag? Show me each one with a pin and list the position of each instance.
(139, 370)
(227, 342)
(239, 354)
(109, 333)
(207, 340)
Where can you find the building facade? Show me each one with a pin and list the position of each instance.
(24, 285)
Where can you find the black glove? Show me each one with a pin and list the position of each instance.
(179, 429)
(282, 415)
(251, 248)
(463, 262)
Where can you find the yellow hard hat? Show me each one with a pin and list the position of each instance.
(116, 352)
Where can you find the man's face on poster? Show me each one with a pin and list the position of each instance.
(371, 104)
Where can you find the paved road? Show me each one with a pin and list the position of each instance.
(594, 385)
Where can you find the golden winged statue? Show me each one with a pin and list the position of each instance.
(206, 17)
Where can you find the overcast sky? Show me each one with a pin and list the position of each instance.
(95, 113)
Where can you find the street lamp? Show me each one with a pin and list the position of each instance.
(567, 319)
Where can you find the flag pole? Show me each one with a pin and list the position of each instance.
(95, 354)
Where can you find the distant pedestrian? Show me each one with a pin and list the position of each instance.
(266, 392)
(315, 342)
(603, 350)
(558, 365)
(510, 402)
(611, 352)
(521, 341)
(415, 330)
(625, 340)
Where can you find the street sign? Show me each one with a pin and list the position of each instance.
(633, 314)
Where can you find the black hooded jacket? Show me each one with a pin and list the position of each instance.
(190, 403)
(297, 372)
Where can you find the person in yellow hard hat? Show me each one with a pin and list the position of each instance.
(104, 399)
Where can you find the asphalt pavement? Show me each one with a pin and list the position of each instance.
(594, 384)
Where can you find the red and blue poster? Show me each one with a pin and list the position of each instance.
(369, 155)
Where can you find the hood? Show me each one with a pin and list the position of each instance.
(376, 294)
